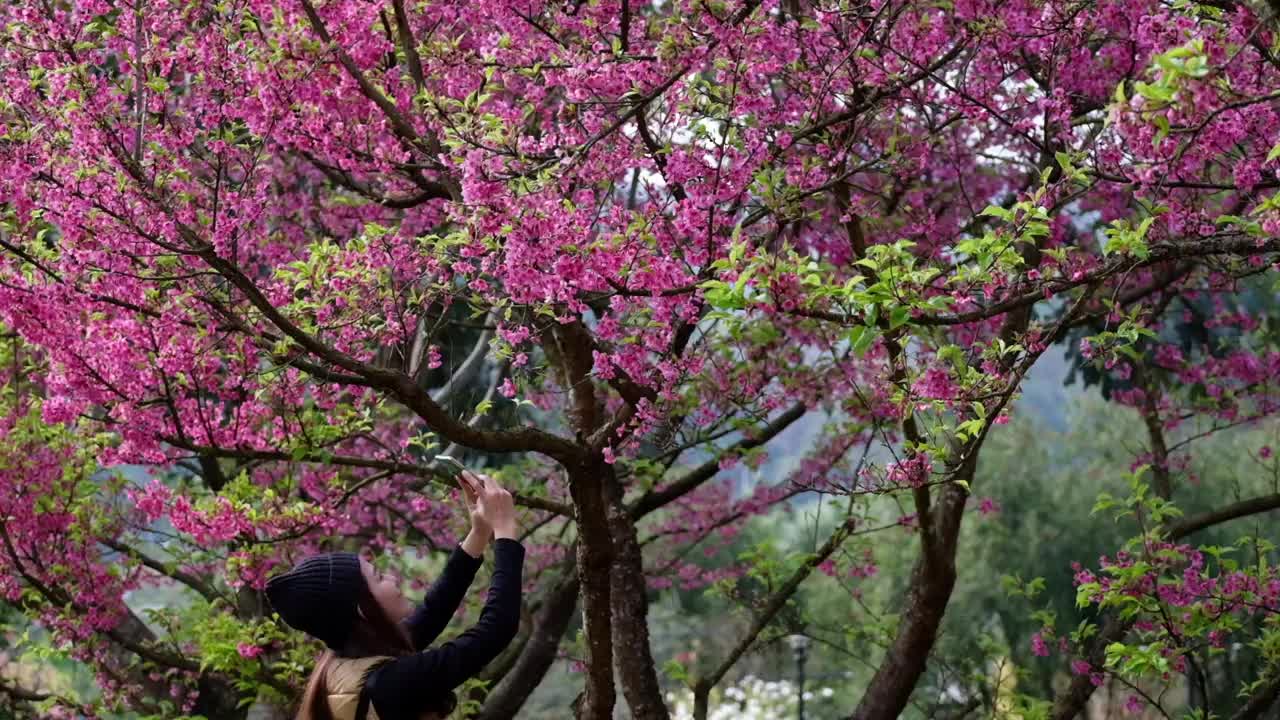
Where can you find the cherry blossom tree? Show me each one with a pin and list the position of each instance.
(279, 254)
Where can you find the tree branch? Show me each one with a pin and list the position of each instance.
(1194, 523)
(431, 471)
(191, 581)
(409, 45)
(1231, 244)
(772, 606)
(22, 694)
(397, 383)
(1069, 702)
(657, 498)
(430, 191)
(624, 30)
(465, 372)
(549, 626)
(399, 124)
(394, 382)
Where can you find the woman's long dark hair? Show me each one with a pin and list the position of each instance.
(373, 634)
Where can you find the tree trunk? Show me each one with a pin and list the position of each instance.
(932, 580)
(1258, 703)
(1072, 701)
(595, 558)
(634, 658)
(1196, 684)
(701, 701)
(219, 700)
(539, 653)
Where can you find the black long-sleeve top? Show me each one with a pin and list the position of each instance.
(404, 688)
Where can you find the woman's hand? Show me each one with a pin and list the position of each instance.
(496, 508)
(481, 532)
(471, 484)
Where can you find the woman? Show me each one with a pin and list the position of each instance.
(378, 665)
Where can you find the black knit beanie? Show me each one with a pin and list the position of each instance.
(319, 596)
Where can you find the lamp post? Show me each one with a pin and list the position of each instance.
(800, 648)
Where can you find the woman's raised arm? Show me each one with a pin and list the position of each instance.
(408, 686)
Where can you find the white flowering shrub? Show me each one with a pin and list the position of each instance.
(754, 699)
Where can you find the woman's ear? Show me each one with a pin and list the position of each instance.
(366, 606)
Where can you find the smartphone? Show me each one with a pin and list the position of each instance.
(451, 466)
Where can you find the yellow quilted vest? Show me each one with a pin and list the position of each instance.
(343, 680)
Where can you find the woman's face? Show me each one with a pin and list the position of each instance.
(385, 589)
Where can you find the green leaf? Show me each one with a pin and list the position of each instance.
(1105, 501)
(855, 334)
(1159, 93)
(899, 316)
(1064, 161)
(1162, 129)
(864, 340)
(1145, 225)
